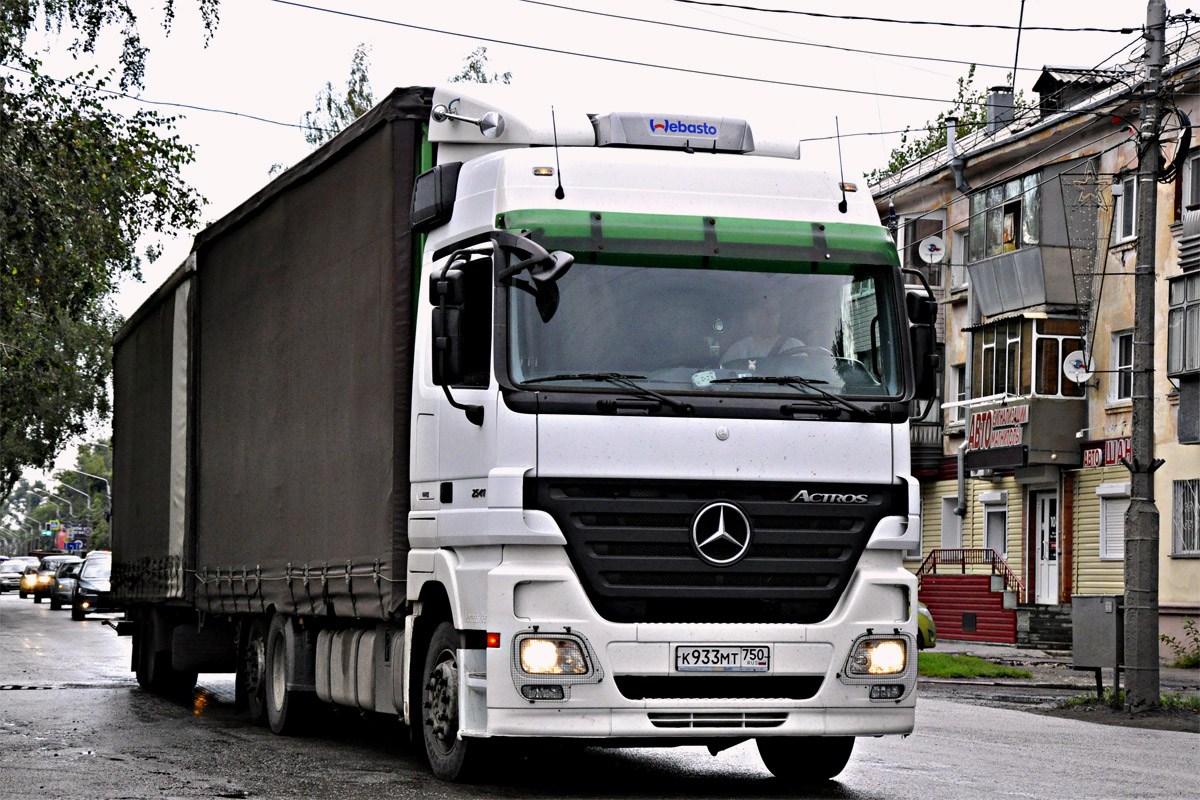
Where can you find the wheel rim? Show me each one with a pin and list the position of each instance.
(441, 698)
(255, 663)
(278, 675)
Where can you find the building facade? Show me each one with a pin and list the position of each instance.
(1035, 220)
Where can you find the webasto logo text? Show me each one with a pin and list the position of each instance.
(803, 496)
(667, 126)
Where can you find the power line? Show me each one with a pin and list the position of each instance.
(136, 98)
(627, 62)
(769, 38)
(940, 23)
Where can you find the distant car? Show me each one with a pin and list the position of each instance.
(93, 592)
(62, 589)
(10, 574)
(43, 579)
(926, 628)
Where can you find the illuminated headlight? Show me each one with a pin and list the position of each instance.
(878, 657)
(86, 604)
(553, 657)
(45, 578)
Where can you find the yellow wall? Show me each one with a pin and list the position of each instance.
(1090, 574)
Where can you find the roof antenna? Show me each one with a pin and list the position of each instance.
(558, 193)
(842, 206)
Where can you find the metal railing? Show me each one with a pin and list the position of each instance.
(964, 557)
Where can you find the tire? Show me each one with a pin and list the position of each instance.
(450, 758)
(154, 671)
(77, 612)
(920, 641)
(251, 678)
(23, 594)
(289, 711)
(55, 603)
(805, 759)
(37, 598)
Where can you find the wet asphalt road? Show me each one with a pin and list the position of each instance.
(74, 723)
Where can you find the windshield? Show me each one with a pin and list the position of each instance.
(704, 330)
(97, 569)
(12, 566)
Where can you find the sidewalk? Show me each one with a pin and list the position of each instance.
(1052, 669)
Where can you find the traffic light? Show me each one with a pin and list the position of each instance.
(47, 533)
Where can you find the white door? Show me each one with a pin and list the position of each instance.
(1045, 509)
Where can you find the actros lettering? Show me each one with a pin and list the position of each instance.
(804, 496)
(667, 126)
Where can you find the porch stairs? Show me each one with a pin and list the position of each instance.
(969, 607)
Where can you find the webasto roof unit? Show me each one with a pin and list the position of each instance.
(674, 131)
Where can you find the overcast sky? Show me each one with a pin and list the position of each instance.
(269, 59)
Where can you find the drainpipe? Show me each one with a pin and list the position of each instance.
(960, 510)
(974, 318)
(957, 164)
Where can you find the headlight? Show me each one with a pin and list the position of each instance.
(45, 578)
(878, 657)
(552, 657)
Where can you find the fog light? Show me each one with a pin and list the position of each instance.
(542, 692)
(887, 691)
(552, 657)
(878, 657)
(86, 604)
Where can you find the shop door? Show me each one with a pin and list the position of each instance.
(1045, 508)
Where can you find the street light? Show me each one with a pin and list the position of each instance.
(86, 496)
(107, 488)
(70, 508)
(57, 507)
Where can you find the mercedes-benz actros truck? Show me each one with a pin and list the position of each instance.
(524, 424)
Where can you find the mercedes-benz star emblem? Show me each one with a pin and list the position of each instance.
(721, 534)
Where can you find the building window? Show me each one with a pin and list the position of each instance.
(958, 391)
(1005, 217)
(1188, 188)
(1114, 502)
(1183, 324)
(1053, 341)
(960, 245)
(1122, 365)
(995, 522)
(1125, 208)
(1185, 518)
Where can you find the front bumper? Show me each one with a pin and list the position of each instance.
(536, 587)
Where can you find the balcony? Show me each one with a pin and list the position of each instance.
(1025, 278)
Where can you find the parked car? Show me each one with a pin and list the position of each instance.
(92, 588)
(926, 628)
(43, 581)
(62, 589)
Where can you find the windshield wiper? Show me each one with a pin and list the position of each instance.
(800, 382)
(619, 379)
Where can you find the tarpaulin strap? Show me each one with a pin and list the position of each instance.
(312, 604)
(245, 588)
(291, 589)
(378, 578)
(350, 587)
(325, 601)
(262, 606)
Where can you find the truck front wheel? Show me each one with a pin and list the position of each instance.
(805, 759)
(450, 757)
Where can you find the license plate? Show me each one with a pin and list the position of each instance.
(709, 658)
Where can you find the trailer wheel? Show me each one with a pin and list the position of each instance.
(288, 710)
(251, 676)
(805, 759)
(154, 671)
(450, 757)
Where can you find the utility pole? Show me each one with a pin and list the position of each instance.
(1141, 521)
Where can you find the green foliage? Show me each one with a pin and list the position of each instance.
(1187, 652)
(950, 665)
(334, 112)
(970, 108)
(475, 70)
(79, 184)
(89, 18)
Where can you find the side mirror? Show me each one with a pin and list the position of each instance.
(447, 293)
(551, 270)
(922, 318)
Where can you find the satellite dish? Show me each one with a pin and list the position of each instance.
(932, 249)
(1076, 368)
